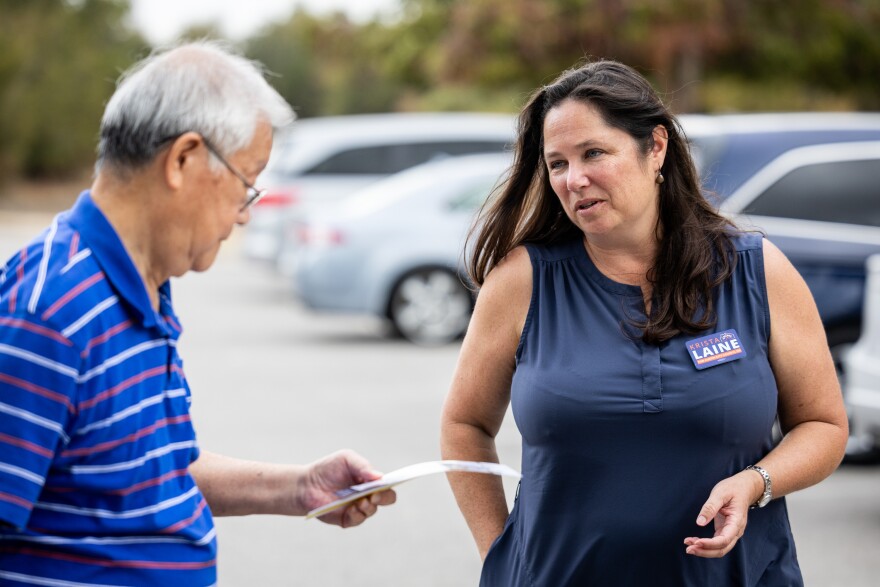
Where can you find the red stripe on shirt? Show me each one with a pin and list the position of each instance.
(128, 490)
(42, 391)
(74, 245)
(110, 444)
(173, 323)
(184, 523)
(35, 328)
(27, 445)
(14, 499)
(19, 274)
(100, 562)
(72, 293)
(150, 482)
(116, 389)
(102, 338)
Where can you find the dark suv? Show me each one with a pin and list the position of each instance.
(811, 183)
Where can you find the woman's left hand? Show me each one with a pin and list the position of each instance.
(728, 505)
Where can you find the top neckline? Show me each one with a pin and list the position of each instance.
(605, 282)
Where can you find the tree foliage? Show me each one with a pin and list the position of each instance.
(59, 59)
(58, 64)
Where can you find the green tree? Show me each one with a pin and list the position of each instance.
(285, 51)
(706, 54)
(327, 65)
(58, 64)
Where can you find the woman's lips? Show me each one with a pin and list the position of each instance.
(584, 205)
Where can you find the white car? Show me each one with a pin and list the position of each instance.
(321, 160)
(396, 248)
(862, 392)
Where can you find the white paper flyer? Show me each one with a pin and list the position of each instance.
(393, 478)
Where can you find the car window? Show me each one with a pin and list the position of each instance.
(474, 195)
(358, 161)
(388, 159)
(839, 191)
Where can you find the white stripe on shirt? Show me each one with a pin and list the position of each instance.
(131, 410)
(123, 515)
(39, 360)
(76, 259)
(153, 454)
(89, 316)
(126, 354)
(35, 419)
(44, 267)
(22, 473)
(110, 540)
(31, 580)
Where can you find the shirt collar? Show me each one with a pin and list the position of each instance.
(99, 235)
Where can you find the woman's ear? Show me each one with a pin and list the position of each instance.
(661, 141)
(180, 159)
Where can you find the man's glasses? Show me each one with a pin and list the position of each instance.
(253, 193)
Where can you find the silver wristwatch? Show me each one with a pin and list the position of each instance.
(768, 487)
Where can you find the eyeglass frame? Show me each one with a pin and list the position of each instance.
(253, 193)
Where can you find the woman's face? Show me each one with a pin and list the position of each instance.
(605, 183)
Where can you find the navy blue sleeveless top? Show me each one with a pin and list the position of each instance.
(623, 441)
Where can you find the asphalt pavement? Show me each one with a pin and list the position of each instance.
(273, 381)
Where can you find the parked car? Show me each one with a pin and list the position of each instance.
(731, 148)
(321, 160)
(821, 206)
(863, 369)
(395, 249)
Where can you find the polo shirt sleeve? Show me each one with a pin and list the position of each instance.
(38, 382)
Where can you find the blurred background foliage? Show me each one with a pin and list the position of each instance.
(59, 60)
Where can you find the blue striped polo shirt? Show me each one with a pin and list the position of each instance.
(95, 431)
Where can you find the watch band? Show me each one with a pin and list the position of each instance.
(768, 487)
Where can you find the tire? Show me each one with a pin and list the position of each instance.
(430, 306)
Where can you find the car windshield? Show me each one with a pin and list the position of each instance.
(388, 191)
(421, 180)
(289, 156)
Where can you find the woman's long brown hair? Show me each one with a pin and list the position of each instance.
(695, 251)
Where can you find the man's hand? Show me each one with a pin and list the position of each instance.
(337, 471)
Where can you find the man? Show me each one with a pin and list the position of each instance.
(101, 480)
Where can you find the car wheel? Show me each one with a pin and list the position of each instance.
(431, 306)
(858, 450)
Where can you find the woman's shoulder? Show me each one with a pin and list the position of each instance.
(515, 268)
(747, 241)
(503, 300)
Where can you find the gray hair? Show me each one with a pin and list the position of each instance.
(202, 87)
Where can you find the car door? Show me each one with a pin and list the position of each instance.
(821, 206)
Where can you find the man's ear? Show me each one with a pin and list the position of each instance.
(181, 158)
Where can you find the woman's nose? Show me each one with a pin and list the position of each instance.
(577, 178)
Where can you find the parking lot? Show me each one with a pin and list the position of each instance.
(273, 382)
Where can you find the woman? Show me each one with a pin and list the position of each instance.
(646, 348)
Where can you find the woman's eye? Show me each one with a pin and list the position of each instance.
(555, 164)
(593, 153)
